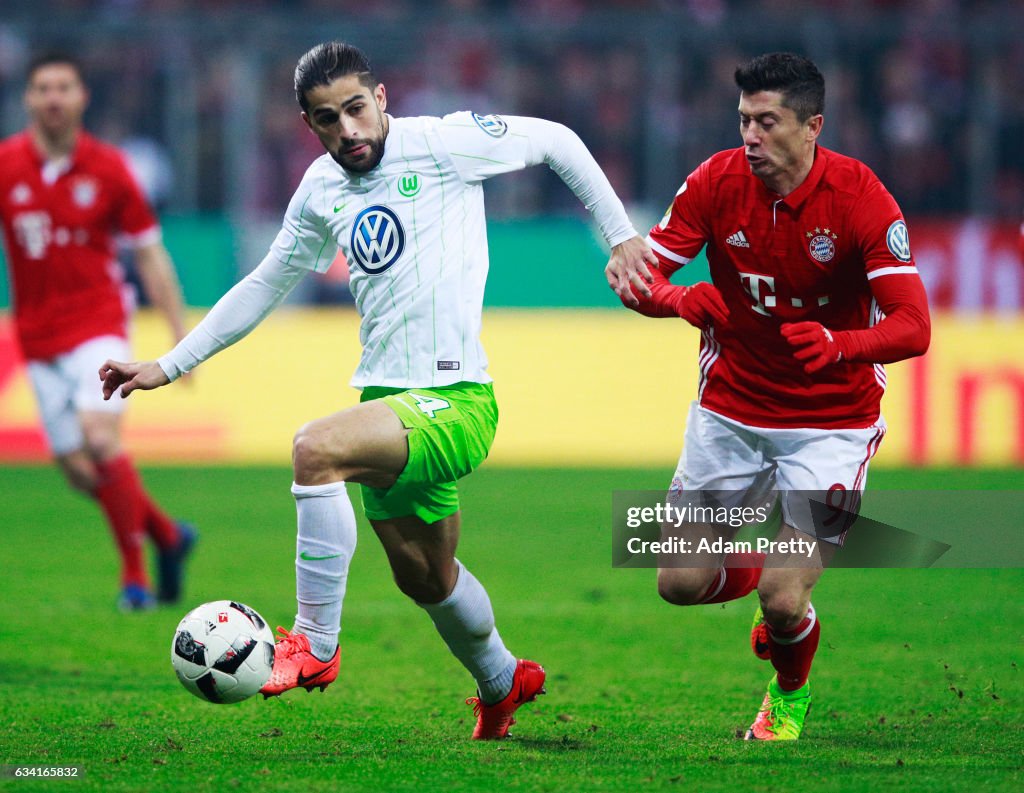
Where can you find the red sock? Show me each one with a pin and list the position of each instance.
(155, 523)
(116, 492)
(792, 651)
(737, 578)
(161, 528)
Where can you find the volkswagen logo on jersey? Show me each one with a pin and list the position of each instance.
(898, 240)
(494, 126)
(378, 239)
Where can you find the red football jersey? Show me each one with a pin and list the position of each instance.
(60, 242)
(806, 257)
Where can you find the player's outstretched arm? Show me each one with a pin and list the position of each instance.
(533, 141)
(627, 267)
(245, 305)
(128, 377)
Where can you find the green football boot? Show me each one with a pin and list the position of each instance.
(782, 714)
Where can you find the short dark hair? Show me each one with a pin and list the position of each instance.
(794, 76)
(52, 58)
(325, 63)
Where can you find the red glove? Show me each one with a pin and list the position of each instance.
(813, 345)
(700, 305)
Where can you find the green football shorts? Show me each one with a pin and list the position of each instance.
(450, 433)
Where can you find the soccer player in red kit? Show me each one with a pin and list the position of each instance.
(813, 288)
(63, 197)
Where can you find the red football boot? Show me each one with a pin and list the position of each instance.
(296, 667)
(493, 721)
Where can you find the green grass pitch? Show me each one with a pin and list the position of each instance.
(917, 683)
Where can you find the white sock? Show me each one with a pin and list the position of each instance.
(323, 550)
(465, 621)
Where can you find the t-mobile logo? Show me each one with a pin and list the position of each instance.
(32, 230)
(762, 289)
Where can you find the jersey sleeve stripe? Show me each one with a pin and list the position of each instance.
(661, 250)
(908, 270)
(140, 239)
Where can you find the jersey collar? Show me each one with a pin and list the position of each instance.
(83, 142)
(806, 187)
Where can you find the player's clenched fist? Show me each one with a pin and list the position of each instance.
(131, 377)
(701, 305)
(813, 345)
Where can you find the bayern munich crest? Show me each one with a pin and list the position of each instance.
(378, 239)
(821, 244)
(84, 192)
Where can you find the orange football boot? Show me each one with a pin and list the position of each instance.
(493, 721)
(759, 636)
(295, 666)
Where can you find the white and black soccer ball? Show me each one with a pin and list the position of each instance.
(223, 651)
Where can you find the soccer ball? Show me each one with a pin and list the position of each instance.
(223, 651)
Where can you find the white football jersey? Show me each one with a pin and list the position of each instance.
(415, 236)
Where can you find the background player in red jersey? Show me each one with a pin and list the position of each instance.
(813, 289)
(63, 197)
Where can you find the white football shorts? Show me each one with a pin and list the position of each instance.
(69, 384)
(756, 464)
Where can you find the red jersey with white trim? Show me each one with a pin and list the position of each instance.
(806, 257)
(59, 236)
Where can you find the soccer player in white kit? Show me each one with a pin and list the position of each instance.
(403, 198)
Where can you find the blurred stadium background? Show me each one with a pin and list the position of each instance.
(927, 92)
(642, 696)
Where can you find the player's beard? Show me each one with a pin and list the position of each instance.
(366, 162)
(55, 122)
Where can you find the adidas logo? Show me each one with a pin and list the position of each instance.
(738, 239)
